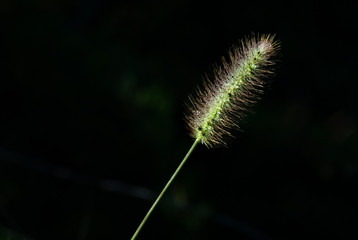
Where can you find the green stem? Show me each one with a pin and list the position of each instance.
(164, 189)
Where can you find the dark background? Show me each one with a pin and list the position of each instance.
(92, 105)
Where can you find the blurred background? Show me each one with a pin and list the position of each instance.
(93, 97)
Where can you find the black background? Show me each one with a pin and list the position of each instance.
(92, 104)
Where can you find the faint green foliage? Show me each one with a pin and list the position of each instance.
(4, 235)
(154, 96)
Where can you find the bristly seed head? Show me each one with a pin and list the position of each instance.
(235, 86)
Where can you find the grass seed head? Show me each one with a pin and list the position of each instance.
(234, 87)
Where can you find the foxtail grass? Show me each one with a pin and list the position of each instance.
(225, 97)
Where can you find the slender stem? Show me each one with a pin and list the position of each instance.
(164, 189)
